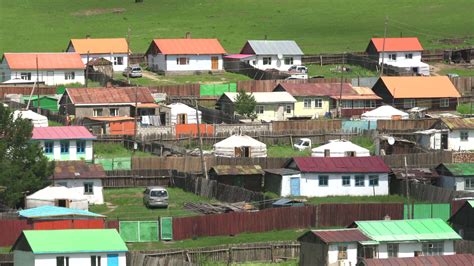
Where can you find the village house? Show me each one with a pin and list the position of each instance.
(246, 176)
(339, 148)
(65, 143)
(52, 68)
(399, 52)
(114, 50)
(271, 54)
(271, 106)
(338, 176)
(84, 178)
(72, 247)
(463, 220)
(314, 100)
(451, 260)
(456, 176)
(240, 146)
(185, 56)
(448, 134)
(434, 93)
(276, 181)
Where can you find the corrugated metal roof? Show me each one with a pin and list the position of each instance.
(46, 61)
(409, 44)
(282, 171)
(317, 89)
(460, 169)
(340, 235)
(77, 169)
(126, 95)
(369, 164)
(415, 173)
(53, 211)
(458, 123)
(420, 87)
(471, 202)
(451, 260)
(407, 230)
(265, 47)
(100, 46)
(238, 169)
(63, 132)
(266, 97)
(189, 46)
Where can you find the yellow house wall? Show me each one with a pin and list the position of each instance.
(270, 112)
(300, 110)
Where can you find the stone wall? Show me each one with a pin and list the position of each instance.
(463, 157)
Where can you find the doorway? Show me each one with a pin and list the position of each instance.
(181, 119)
(242, 152)
(62, 203)
(214, 62)
(295, 186)
(444, 141)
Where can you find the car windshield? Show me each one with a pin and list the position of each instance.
(300, 142)
(136, 69)
(159, 193)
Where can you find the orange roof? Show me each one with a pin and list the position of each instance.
(189, 46)
(397, 44)
(363, 93)
(100, 46)
(45, 61)
(420, 87)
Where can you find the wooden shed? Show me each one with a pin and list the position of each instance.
(247, 176)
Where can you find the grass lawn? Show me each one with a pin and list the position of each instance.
(465, 108)
(127, 204)
(317, 26)
(463, 72)
(365, 142)
(330, 71)
(358, 199)
(114, 150)
(54, 124)
(170, 80)
(286, 151)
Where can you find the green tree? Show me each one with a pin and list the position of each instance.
(245, 105)
(23, 167)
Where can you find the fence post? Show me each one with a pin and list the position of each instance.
(272, 254)
(229, 262)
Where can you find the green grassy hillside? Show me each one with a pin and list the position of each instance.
(317, 25)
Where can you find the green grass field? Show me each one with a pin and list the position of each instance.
(358, 199)
(171, 80)
(318, 26)
(463, 72)
(114, 150)
(286, 151)
(465, 108)
(330, 71)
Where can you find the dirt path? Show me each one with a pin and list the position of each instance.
(111, 207)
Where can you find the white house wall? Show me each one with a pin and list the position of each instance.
(351, 255)
(286, 184)
(196, 63)
(309, 186)
(407, 250)
(79, 259)
(400, 57)
(50, 77)
(455, 143)
(88, 155)
(276, 63)
(450, 182)
(78, 186)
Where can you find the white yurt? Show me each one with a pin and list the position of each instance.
(339, 148)
(240, 146)
(183, 114)
(57, 196)
(385, 112)
(35, 118)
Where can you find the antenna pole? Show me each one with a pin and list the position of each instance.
(203, 163)
(407, 189)
(383, 44)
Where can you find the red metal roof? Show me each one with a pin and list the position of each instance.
(451, 260)
(341, 235)
(397, 44)
(370, 164)
(45, 61)
(77, 169)
(317, 89)
(189, 46)
(64, 132)
(109, 95)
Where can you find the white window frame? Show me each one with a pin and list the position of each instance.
(324, 178)
(374, 180)
(71, 75)
(318, 103)
(409, 103)
(433, 248)
(288, 109)
(409, 56)
(346, 104)
(464, 135)
(267, 61)
(356, 181)
(179, 61)
(392, 57)
(259, 109)
(25, 75)
(96, 111)
(444, 102)
(392, 250)
(344, 178)
(307, 103)
(88, 188)
(469, 183)
(358, 104)
(288, 60)
(114, 111)
(118, 60)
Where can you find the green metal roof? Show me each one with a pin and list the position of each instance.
(407, 230)
(471, 202)
(460, 169)
(74, 241)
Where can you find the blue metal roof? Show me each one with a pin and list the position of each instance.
(53, 211)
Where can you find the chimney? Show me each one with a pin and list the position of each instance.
(188, 35)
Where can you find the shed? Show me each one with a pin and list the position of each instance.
(280, 181)
(385, 112)
(57, 196)
(456, 176)
(463, 220)
(183, 114)
(48, 102)
(247, 176)
(48, 212)
(36, 119)
(240, 146)
(339, 148)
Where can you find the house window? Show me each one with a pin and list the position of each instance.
(288, 109)
(359, 180)
(373, 180)
(392, 57)
(392, 250)
(288, 60)
(409, 56)
(63, 184)
(118, 60)
(341, 252)
(307, 103)
(433, 248)
(323, 180)
(181, 119)
(359, 104)
(370, 104)
(347, 104)
(409, 103)
(62, 261)
(97, 112)
(69, 75)
(318, 103)
(95, 260)
(48, 147)
(259, 109)
(65, 146)
(114, 112)
(469, 183)
(267, 60)
(464, 135)
(88, 188)
(443, 102)
(25, 75)
(81, 146)
(346, 180)
(182, 61)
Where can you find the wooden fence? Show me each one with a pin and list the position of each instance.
(465, 85)
(425, 160)
(26, 90)
(464, 247)
(430, 193)
(307, 126)
(405, 125)
(6, 259)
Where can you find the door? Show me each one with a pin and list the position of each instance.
(112, 260)
(280, 112)
(214, 63)
(295, 186)
(444, 141)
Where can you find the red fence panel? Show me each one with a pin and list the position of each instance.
(11, 229)
(68, 224)
(344, 214)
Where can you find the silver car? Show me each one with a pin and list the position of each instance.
(155, 197)
(133, 72)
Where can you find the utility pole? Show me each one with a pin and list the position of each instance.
(38, 92)
(203, 163)
(407, 189)
(339, 109)
(383, 44)
(135, 145)
(128, 56)
(87, 69)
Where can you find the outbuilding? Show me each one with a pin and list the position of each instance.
(240, 146)
(57, 196)
(183, 114)
(282, 181)
(463, 220)
(339, 148)
(247, 176)
(385, 112)
(456, 176)
(36, 119)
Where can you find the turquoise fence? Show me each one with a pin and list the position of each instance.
(217, 89)
(358, 125)
(427, 210)
(123, 163)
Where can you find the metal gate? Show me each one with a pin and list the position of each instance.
(139, 231)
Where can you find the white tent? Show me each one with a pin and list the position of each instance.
(385, 112)
(35, 118)
(183, 114)
(340, 148)
(57, 196)
(240, 146)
